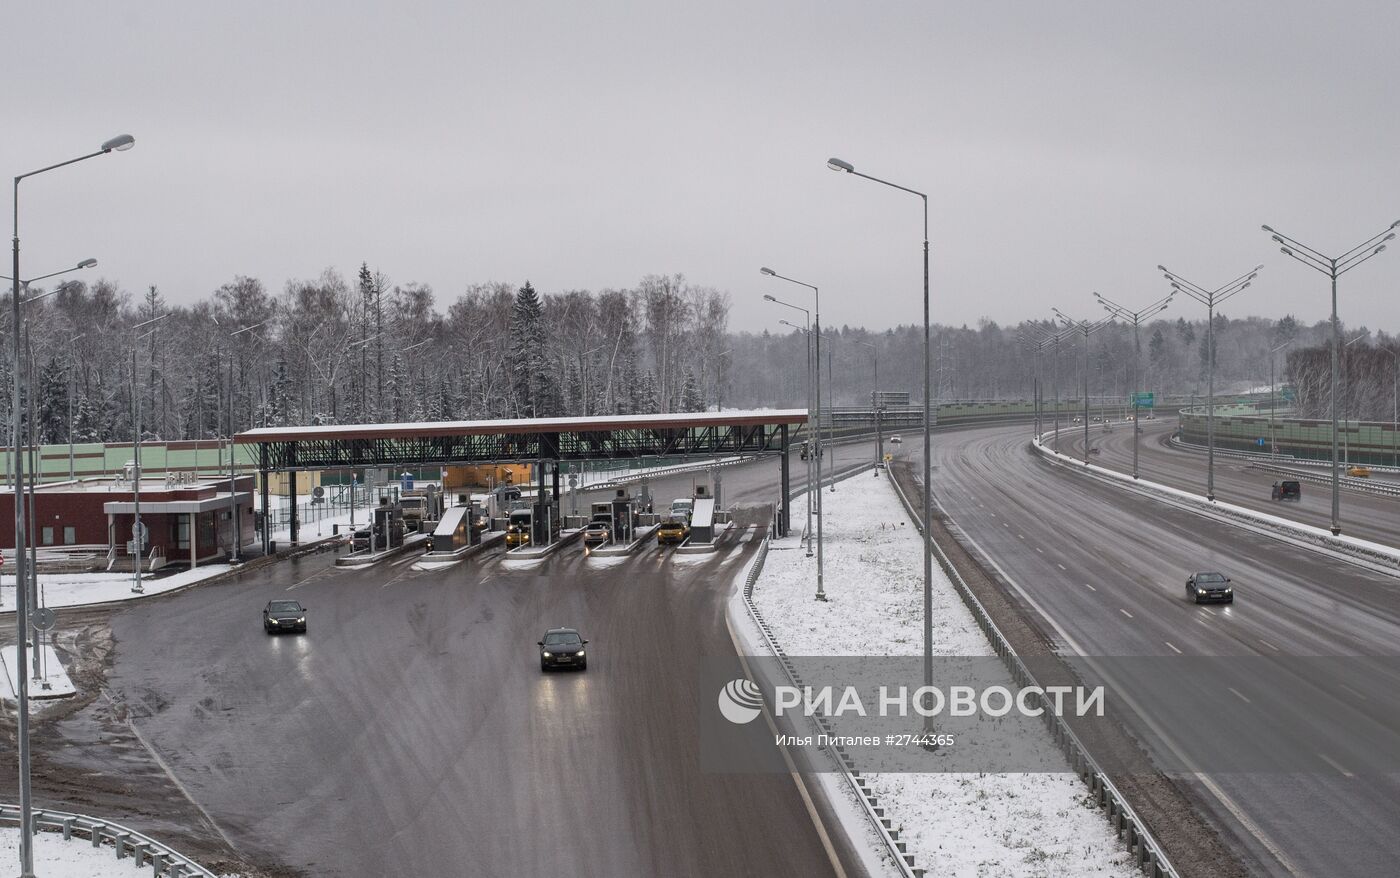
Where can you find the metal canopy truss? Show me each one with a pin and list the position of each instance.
(428, 444)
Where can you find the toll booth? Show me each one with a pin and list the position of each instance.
(545, 523)
(624, 517)
(702, 522)
(454, 530)
(388, 527)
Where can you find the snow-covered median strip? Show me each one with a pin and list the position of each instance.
(1023, 824)
(79, 589)
(55, 857)
(54, 683)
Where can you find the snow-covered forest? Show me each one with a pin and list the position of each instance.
(332, 350)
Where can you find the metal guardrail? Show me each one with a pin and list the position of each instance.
(163, 861)
(1127, 826)
(870, 805)
(1351, 483)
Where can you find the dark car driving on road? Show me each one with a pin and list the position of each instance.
(1286, 490)
(284, 616)
(562, 648)
(1201, 587)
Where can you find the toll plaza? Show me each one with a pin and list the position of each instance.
(543, 442)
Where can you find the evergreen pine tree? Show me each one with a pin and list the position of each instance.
(527, 337)
(691, 400)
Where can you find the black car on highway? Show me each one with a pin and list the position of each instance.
(1286, 490)
(1202, 587)
(284, 616)
(562, 648)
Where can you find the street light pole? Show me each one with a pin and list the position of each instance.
(136, 529)
(26, 841)
(1136, 318)
(875, 406)
(237, 526)
(1086, 328)
(1334, 267)
(811, 444)
(836, 164)
(1273, 398)
(817, 434)
(1210, 298)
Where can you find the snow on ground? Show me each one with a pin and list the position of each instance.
(75, 589)
(56, 858)
(1040, 824)
(55, 678)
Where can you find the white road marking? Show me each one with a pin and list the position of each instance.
(1173, 646)
(1059, 565)
(1004, 524)
(1125, 612)
(1352, 691)
(1209, 610)
(1022, 536)
(1268, 644)
(1090, 587)
(1241, 696)
(1037, 549)
(1332, 762)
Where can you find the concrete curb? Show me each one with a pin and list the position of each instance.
(409, 543)
(620, 551)
(530, 553)
(490, 540)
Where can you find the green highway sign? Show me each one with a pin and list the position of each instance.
(1143, 399)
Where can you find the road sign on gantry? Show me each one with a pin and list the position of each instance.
(1143, 399)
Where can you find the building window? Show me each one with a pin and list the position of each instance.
(181, 525)
(70, 536)
(47, 536)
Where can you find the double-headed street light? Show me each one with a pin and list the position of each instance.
(1136, 318)
(836, 164)
(816, 434)
(1210, 298)
(1087, 329)
(26, 841)
(1334, 267)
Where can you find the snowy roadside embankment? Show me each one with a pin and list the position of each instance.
(1025, 824)
(79, 589)
(76, 858)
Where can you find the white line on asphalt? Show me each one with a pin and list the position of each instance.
(1209, 610)
(1022, 536)
(1057, 564)
(1125, 612)
(1090, 587)
(1173, 646)
(1268, 644)
(1004, 524)
(1037, 548)
(1241, 697)
(1332, 762)
(1352, 691)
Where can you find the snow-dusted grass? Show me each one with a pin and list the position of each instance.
(959, 824)
(56, 858)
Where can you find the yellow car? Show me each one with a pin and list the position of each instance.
(673, 530)
(1359, 472)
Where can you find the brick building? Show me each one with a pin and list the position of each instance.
(185, 521)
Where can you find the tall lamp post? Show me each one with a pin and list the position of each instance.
(237, 525)
(1334, 267)
(1210, 298)
(1087, 329)
(1036, 346)
(811, 443)
(137, 531)
(1136, 318)
(1273, 397)
(26, 841)
(836, 164)
(875, 404)
(817, 434)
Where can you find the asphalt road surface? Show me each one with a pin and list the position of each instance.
(1367, 516)
(411, 731)
(1106, 570)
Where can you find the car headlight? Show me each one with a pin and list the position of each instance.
(301, 620)
(579, 653)
(1228, 589)
(548, 654)
(1200, 591)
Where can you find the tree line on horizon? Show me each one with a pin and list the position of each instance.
(328, 350)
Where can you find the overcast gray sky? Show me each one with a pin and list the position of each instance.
(1066, 148)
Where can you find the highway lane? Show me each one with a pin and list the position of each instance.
(1367, 516)
(1107, 570)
